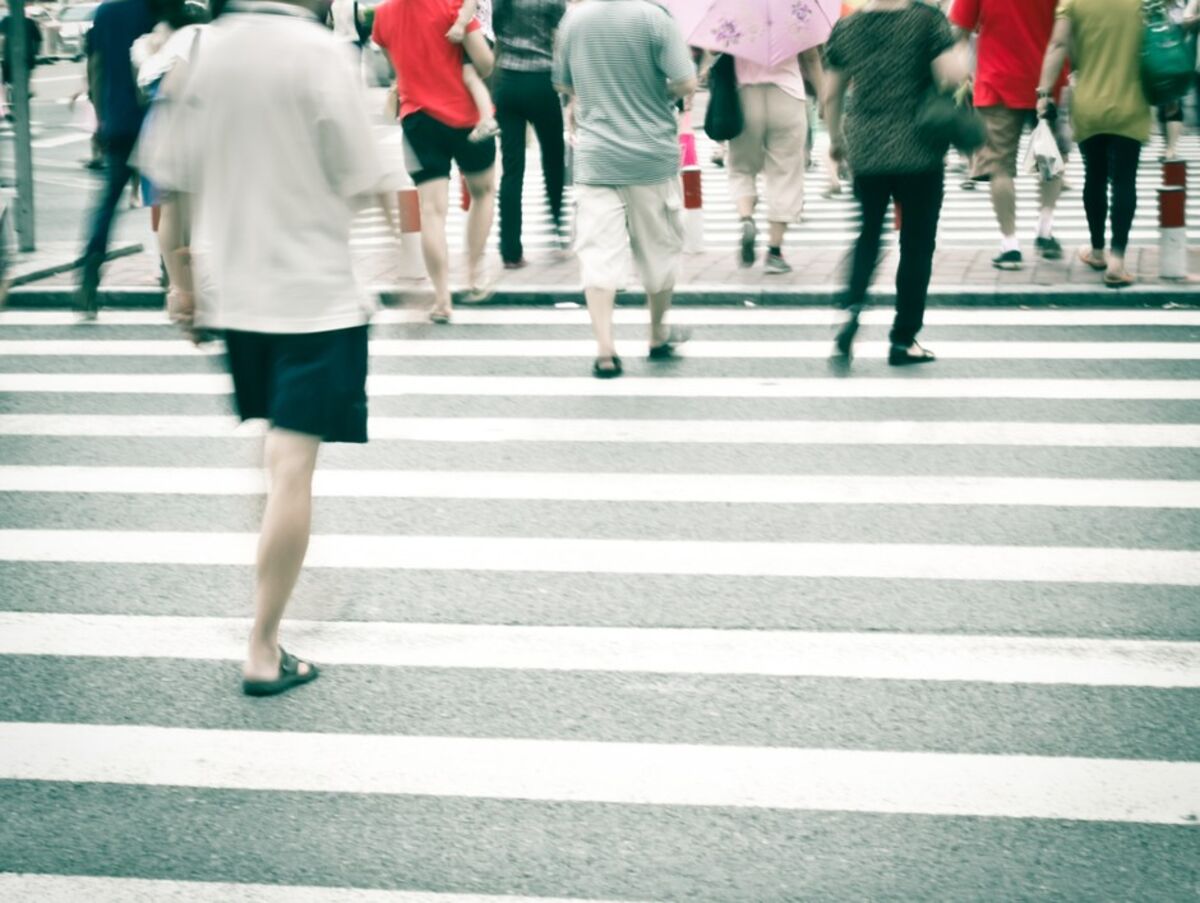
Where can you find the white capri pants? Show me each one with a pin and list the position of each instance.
(613, 220)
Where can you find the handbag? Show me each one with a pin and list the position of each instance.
(1167, 69)
(723, 121)
(944, 121)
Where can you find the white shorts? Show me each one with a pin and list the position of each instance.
(613, 220)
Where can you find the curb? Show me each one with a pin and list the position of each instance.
(1183, 296)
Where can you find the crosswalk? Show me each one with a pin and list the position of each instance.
(967, 219)
(730, 628)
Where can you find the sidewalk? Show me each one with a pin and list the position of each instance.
(960, 277)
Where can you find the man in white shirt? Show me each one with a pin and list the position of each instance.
(271, 150)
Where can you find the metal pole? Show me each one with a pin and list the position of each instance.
(21, 69)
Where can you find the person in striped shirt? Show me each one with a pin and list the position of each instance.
(626, 65)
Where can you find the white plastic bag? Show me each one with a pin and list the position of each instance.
(1043, 155)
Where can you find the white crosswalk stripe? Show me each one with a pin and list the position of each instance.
(673, 636)
(967, 219)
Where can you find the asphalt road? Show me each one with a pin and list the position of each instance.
(726, 629)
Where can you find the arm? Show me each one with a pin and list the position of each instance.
(458, 31)
(683, 88)
(1191, 16)
(814, 71)
(835, 105)
(480, 53)
(1056, 58)
(952, 67)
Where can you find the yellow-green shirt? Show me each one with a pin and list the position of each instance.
(1106, 54)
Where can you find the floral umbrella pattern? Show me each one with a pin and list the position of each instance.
(765, 31)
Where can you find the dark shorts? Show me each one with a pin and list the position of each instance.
(312, 383)
(430, 147)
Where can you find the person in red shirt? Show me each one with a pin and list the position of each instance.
(1012, 39)
(438, 116)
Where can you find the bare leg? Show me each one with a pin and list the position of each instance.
(1004, 202)
(287, 523)
(435, 202)
(483, 103)
(600, 304)
(776, 233)
(482, 186)
(659, 303)
(1174, 131)
(746, 205)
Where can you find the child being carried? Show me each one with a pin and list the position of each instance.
(487, 127)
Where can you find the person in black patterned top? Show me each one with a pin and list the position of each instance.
(891, 53)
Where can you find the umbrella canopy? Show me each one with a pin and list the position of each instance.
(765, 31)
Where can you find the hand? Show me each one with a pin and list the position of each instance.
(1044, 107)
(457, 33)
(837, 150)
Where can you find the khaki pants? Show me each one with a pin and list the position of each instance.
(612, 220)
(773, 143)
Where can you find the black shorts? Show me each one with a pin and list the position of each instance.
(430, 146)
(313, 383)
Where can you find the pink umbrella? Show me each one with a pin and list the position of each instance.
(764, 31)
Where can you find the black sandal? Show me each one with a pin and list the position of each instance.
(666, 350)
(289, 676)
(607, 372)
(902, 355)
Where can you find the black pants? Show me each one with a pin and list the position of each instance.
(522, 98)
(117, 175)
(1110, 159)
(920, 198)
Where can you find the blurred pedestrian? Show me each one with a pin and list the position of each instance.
(891, 54)
(1011, 42)
(525, 96)
(774, 143)
(438, 115)
(1170, 115)
(626, 65)
(1110, 115)
(272, 178)
(33, 49)
(117, 25)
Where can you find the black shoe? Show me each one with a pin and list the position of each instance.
(1049, 248)
(844, 343)
(1009, 260)
(903, 355)
(607, 372)
(749, 239)
(87, 302)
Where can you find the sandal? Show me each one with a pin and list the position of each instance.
(289, 676)
(440, 316)
(903, 355)
(667, 349)
(1123, 279)
(607, 372)
(1088, 258)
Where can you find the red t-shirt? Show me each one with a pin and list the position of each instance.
(429, 69)
(1013, 36)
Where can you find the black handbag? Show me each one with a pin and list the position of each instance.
(943, 122)
(723, 121)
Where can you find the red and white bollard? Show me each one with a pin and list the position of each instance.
(1175, 174)
(412, 263)
(693, 211)
(466, 192)
(898, 215)
(1172, 232)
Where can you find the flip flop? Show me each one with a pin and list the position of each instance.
(440, 317)
(289, 676)
(1086, 258)
(667, 349)
(1119, 280)
(607, 372)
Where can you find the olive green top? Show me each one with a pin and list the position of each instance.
(1106, 51)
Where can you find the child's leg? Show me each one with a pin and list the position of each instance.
(483, 102)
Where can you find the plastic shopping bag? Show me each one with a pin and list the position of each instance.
(1043, 155)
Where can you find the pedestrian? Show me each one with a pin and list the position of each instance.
(117, 25)
(1191, 25)
(476, 86)
(891, 54)
(525, 96)
(1110, 115)
(1011, 42)
(33, 49)
(272, 178)
(775, 143)
(1170, 115)
(626, 64)
(438, 116)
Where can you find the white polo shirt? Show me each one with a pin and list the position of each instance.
(271, 139)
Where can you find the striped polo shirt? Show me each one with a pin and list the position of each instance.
(618, 56)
